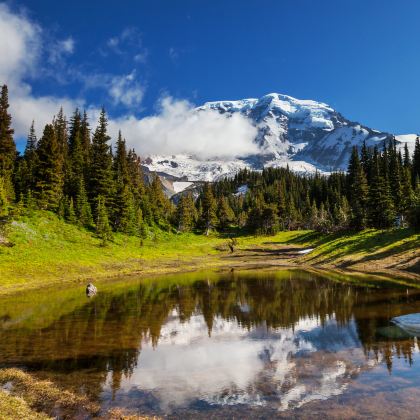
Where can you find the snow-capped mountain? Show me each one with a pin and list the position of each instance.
(305, 135)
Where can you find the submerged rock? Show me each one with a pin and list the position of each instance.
(91, 290)
(409, 323)
(393, 332)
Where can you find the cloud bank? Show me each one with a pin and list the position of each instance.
(176, 128)
(179, 129)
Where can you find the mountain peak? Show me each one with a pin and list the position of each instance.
(305, 134)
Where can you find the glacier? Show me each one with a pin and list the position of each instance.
(305, 135)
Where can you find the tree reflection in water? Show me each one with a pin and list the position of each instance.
(273, 339)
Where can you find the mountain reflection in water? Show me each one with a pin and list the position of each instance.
(269, 341)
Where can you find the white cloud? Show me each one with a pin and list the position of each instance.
(19, 45)
(126, 90)
(59, 49)
(177, 128)
(20, 51)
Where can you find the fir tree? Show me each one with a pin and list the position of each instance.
(4, 203)
(101, 174)
(416, 161)
(186, 213)
(381, 206)
(103, 229)
(31, 158)
(358, 192)
(49, 177)
(82, 207)
(126, 215)
(71, 214)
(224, 213)
(7, 144)
(208, 215)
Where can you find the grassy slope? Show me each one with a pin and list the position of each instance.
(370, 250)
(46, 250)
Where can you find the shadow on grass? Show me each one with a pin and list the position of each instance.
(367, 242)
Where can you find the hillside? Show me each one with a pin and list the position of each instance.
(43, 250)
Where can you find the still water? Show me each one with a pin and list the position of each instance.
(246, 344)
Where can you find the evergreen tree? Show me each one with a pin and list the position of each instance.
(49, 177)
(82, 207)
(101, 174)
(141, 226)
(4, 204)
(161, 207)
(60, 128)
(407, 158)
(416, 161)
(208, 203)
(71, 214)
(86, 145)
(126, 219)
(186, 213)
(7, 144)
(365, 160)
(103, 229)
(381, 206)
(358, 192)
(270, 219)
(31, 158)
(224, 213)
(76, 159)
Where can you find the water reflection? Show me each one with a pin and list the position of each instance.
(271, 341)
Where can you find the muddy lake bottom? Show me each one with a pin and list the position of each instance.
(229, 344)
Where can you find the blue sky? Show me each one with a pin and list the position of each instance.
(362, 56)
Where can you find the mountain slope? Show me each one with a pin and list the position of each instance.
(304, 134)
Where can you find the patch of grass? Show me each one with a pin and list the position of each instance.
(43, 396)
(16, 408)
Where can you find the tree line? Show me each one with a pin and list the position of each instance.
(380, 190)
(75, 172)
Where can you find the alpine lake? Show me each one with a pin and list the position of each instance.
(224, 344)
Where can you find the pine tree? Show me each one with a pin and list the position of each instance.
(76, 159)
(7, 144)
(381, 206)
(82, 207)
(416, 161)
(186, 213)
(141, 226)
(71, 214)
(161, 207)
(49, 177)
(86, 145)
(366, 160)
(358, 192)
(225, 213)
(4, 203)
(407, 196)
(126, 216)
(103, 229)
(101, 174)
(31, 158)
(407, 158)
(208, 202)
(395, 174)
(270, 219)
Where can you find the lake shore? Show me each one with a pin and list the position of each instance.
(44, 251)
